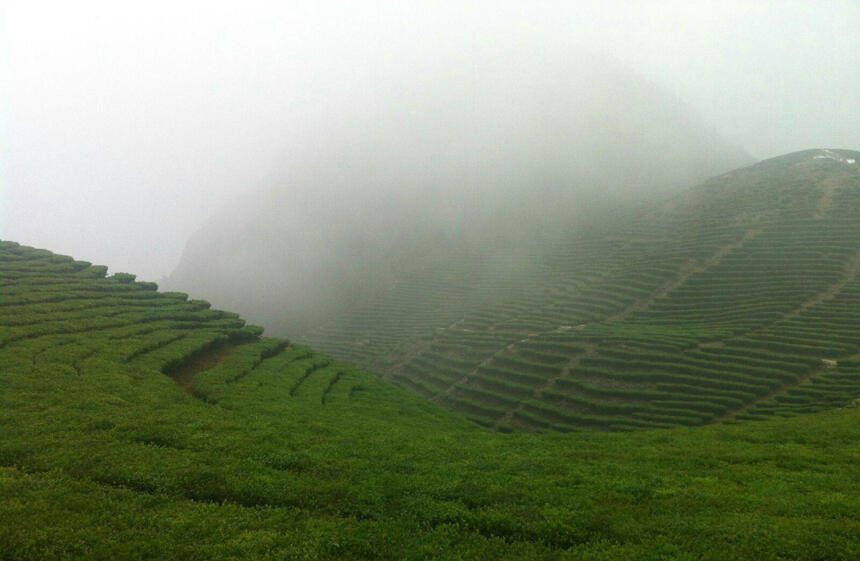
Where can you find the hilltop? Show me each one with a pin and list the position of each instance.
(141, 424)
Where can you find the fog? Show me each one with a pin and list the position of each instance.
(126, 127)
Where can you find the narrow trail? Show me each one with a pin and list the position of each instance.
(828, 187)
(731, 415)
(205, 360)
(590, 350)
(851, 268)
(447, 391)
(685, 272)
(418, 349)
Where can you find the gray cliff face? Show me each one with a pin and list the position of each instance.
(484, 164)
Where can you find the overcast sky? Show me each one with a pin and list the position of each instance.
(123, 125)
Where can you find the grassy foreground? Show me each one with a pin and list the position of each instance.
(142, 425)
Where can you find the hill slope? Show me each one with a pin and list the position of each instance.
(458, 178)
(141, 425)
(737, 299)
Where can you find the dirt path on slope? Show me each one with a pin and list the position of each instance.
(416, 350)
(590, 350)
(851, 269)
(685, 272)
(204, 360)
(828, 188)
(778, 391)
(447, 391)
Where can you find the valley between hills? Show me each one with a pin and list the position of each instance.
(679, 380)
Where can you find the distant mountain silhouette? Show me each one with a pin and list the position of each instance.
(482, 164)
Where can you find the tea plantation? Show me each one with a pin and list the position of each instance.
(139, 424)
(738, 300)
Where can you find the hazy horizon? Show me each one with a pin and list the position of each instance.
(127, 128)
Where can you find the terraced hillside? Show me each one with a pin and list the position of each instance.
(62, 314)
(738, 300)
(143, 425)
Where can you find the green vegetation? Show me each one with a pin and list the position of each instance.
(143, 425)
(738, 300)
(273, 451)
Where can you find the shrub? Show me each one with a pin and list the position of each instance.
(123, 277)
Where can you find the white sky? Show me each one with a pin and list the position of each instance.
(124, 125)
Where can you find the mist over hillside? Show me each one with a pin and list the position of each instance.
(435, 279)
(486, 160)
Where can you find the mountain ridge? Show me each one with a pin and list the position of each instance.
(417, 179)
